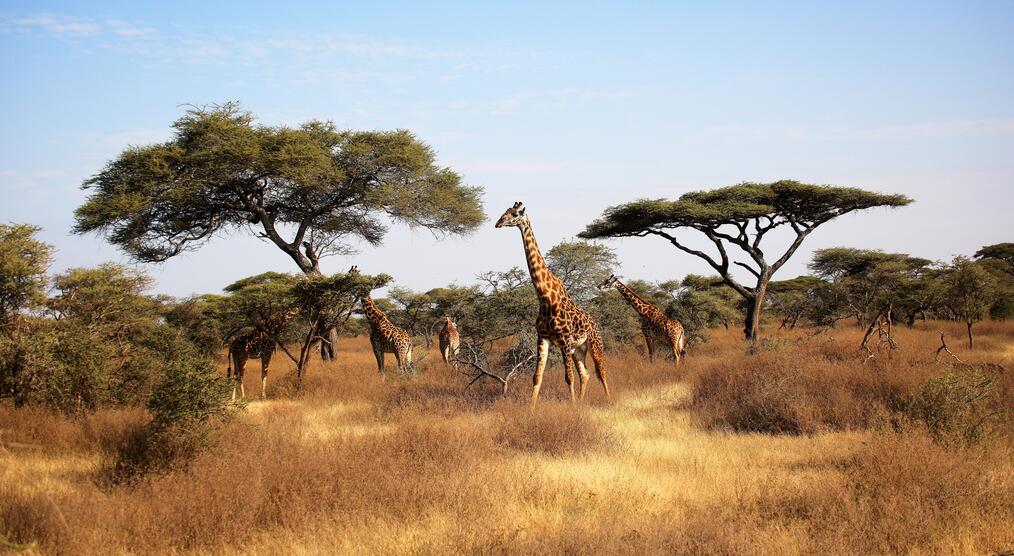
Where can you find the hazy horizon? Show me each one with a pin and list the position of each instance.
(568, 111)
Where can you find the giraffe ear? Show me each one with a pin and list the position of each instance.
(521, 211)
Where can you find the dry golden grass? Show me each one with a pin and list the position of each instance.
(353, 463)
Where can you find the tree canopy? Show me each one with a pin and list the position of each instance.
(740, 216)
(310, 190)
(581, 266)
(1003, 252)
(24, 261)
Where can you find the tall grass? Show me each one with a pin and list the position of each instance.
(350, 462)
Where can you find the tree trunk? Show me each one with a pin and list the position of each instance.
(969, 324)
(751, 327)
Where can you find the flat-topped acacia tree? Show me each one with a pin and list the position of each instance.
(740, 216)
(309, 190)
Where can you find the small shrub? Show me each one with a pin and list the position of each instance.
(185, 405)
(957, 406)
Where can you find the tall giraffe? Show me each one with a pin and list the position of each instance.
(385, 337)
(654, 323)
(560, 320)
(449, 340)
(258, 343)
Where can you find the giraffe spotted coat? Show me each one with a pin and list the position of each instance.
(655, 324)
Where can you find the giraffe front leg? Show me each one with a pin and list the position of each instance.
(265, 362)
(582, 371)
(568, 372)
(650, 342)
(540, 367)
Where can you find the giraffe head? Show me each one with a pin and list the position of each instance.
(514, 216)
(608, 282)
(354, 270)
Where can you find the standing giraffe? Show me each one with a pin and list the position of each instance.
(258, 343)
(385, 337)
(449, 340)
(560, 320)
(654, 323)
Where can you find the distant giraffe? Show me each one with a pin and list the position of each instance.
(258, 343)
(385, 337)
(654, 323)
(560, 320)
(449, 340)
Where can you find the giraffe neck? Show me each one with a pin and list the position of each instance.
(373, 313)
(542, 278)
(639, 304)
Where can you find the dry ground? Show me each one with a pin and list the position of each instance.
(355, 464)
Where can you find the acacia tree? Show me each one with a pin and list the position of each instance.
(581, 266)
(1002, 252)
(310, 190)
(869, 283)
(969, 291)
(740, 216)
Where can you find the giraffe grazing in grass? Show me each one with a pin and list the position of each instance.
(258, 343)
(655, 325)
(385, 337)
(449, 340)
(560, 321)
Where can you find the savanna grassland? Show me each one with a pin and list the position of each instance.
(799, 448)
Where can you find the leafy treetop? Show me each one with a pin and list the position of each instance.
(308, 190)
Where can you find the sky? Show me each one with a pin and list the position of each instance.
(568, 107)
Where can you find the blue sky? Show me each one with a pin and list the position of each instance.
(569, 108)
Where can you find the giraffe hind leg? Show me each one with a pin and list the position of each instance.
(579, 356)
(568, 372)
(600, 369)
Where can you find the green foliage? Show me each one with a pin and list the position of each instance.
(740, 216)
(959, 406)
(221, 172)
(619, 324)
(506, 304)
(328, 301)
(23, 264)
(186, 403)
(969, 291)
(198, 317)
(109, 295)
(782, 201)
(702, 302)
(107, 344)
(581, 266)
(1001, 252)
(262, 301)
(863, 283)
(189, 390)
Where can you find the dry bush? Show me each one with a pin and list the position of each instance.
(353, 463)
(809, 385)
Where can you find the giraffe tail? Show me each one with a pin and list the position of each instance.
(228, 358)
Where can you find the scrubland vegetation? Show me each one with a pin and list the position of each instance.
(835, 421)
(799, 448)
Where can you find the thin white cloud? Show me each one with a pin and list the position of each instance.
(60, 26)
